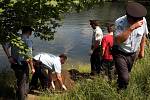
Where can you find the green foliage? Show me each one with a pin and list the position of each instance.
(16, 41)
(43, 15)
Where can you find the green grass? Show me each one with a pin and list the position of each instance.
(7, 81)
(99, 88)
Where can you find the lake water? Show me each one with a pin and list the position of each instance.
(74, 36)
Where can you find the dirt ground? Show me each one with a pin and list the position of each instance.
(69, 78)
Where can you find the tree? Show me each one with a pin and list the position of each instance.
(43, 15)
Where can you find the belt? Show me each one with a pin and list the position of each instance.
(118, 51)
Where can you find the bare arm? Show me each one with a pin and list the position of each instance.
(124, 35)
(142, 44)
(30, 62)
(50, 79)
(7, 52)
(59, 77)
(103, 50)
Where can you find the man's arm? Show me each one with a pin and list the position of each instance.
(7, 52)
(59, 77)
(142, 45)
(104, 43)
(50, 79)
(124, 35)
(30, 62)
(103, 50)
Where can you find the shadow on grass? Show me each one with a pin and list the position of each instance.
(76, 75)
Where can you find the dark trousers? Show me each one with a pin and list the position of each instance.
(39, 75)
(107, 67)
(22, 76)
(95, 61)
(123, 64)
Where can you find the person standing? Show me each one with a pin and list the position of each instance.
(129, 37)
(20, 64)
(107, 58)
(95, 47)
(53, 64)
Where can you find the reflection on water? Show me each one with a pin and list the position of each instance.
(74, 36)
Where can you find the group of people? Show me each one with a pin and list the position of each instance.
(101, 57)
(119, 47)
(21, 63)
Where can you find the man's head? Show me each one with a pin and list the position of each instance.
(110, 27)
(63, 58)
(27, 30)
(94, 23)
(135, 11)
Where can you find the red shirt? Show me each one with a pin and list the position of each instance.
(107, 43)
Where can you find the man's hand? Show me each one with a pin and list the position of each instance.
(53, 86)
(59, 77)
(90, 52)
(32, 70)
(64, 87)
(136, 25)
(12, 60)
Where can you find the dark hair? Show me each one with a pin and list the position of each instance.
(135, 19)
(63, 56)
(27, 29)
(110, 27)
(95, 22)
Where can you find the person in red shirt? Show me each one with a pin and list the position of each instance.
(107, 58)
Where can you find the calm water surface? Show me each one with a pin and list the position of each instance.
(74, 36)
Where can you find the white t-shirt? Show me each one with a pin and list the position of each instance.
(133, 42)
(97, 35)
(50, 61)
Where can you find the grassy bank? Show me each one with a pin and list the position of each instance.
(97, 88)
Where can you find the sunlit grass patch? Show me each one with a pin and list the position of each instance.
(81, 67)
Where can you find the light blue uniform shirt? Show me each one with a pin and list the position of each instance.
(132, 44)
(50, 61)
(15, 51)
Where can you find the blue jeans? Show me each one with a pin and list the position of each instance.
(22, 76)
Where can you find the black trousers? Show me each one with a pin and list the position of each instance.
(123, 64)
(96, 61)
(22, 76)
(107, 67)
(39, 75)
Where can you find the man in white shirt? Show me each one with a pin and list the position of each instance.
(95, 47)
(53, 64)
(129, 37)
